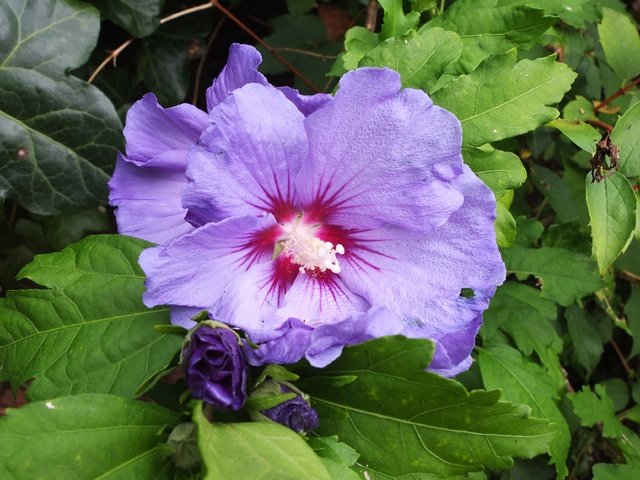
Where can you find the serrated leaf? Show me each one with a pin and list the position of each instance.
(394, 22)
(502, 98)
(358, 42)
(406, 421)
(138, 17)
(499, 170)
(488, 28)
(85, 436)
(89, 332)
(595, 408)
(420, 60)
(58, 134)
(262, 450)
(585, 338)
(621, 43)
(525, 382)
(626, 136)
(565, 276)
(612, 210)
(581, 134)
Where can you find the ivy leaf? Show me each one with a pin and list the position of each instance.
(263, 450)
(626, 136)
(46, 166)
(499, 170)
(85, 436)
(612, 210)
(405, 421)
(580, 133)
(595, 408)
(89, 332)
(621, 43)
(488, 28)
(395, 23)
(138, 17)
(565, 276)
(502, 98)
(421, 60)
(525, 382)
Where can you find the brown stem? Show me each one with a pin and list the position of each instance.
(621, 357)
(269, 48)
(305, 52)
(599, 123)
(372, 15)
(196, 84)
(621, 91)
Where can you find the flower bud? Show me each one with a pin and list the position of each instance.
(296, 414)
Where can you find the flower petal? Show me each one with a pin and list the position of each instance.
(421, 279)
(285, 344)
(147, 201)
(251, 154)
(307, 104)
(194, 270)
(381, 155)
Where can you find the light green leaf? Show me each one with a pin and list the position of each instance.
(138, 17)
(565, 276)
(58, 134)
(499, 170)
(587, 344)
(89, 331)
(405, 421)
(488, 28)
(626, 136)
(529, 231)
(85, 437)
(573, 12)
(579, 109)
(621, 43)
(608, 471)
(525, 382)
(502, 98)
(262, 450)
(420, 60)
(358, 42)
(580, 133)
(612, 210)
(595, 408)
(505, 226)
(395, 23)
(336, 456)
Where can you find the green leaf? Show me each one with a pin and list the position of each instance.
(626, 136)
(579, 109)
(524, 382)
(621, 43)
(502, 98)
(505, 225)
(499, 170)
(85, 436)
(336, 456)
(580, 133)
(138, 17)
(595, 408)
(488, 28)
(395, 23)
(58, 134)
(405, 421)
(565, 276)
(89, 331)
(612, 210)
(632, 312)
(529, 231)
(421, 60)
(587, 344)
(557, 193)
(255, 450)
(358, 42)
(521, 312)
(606, 471)
(65, 229)
(573, 12)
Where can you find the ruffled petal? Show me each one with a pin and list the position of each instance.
(241, 68)
(307, 104)
(194, 270)
(249, 158)
(151, 131)
(382, 155)
(421, 279)
(147, 201)
(285, 344)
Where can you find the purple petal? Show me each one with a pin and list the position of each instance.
(421, 279)
(251, 155)
(147, 201)
(285, 344)
(194, 270)
(152, 131)
(307, 104)
(328, 340)
(182, 316)
(241, 68)
(382, 155)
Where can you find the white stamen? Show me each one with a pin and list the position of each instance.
(309, 251)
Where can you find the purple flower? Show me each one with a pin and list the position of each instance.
(214, 367)
(295, 414)
(323, 222)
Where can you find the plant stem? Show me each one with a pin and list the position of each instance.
(621, 91)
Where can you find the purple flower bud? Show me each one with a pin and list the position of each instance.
(215, 368)
(296, 414)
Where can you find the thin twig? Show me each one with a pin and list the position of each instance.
(114, 54)
(629, 276)
(372, 15)
(621, 357)
(599, 123)
(621, 91)
(305, 52)
(269, 48)
(212, 37)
